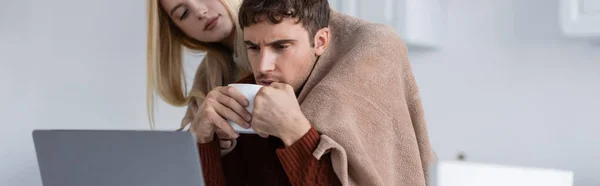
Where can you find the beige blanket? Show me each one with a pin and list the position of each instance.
(363, 99)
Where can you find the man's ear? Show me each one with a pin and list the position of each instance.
(321, 41)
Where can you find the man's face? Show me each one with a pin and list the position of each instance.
(283, 52)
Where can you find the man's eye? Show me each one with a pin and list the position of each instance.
(281, 47)
(183, 15)
(252, 48)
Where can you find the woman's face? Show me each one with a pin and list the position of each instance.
(203, 20)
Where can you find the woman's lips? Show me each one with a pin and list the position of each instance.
(211, 23)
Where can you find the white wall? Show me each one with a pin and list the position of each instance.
(70, 64)
(507, 87)
(501, 88)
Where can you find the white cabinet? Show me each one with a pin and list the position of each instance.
(418, 22)
(580, 18)
(452, 173)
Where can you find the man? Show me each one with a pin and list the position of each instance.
(339, 104)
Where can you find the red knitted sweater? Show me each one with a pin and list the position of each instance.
(259, 161)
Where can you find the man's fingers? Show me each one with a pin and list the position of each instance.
(263, 135)
(221, 134)
(229, 114)
(276, 84)
(235, 94)
(258, 131)
(279, 85)
(225, 144)
(195, 124)
(225, 141)
(236, 107)
(282, 86)
(220, 123)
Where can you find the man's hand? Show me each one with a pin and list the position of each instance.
(277, 113)
(221, 104)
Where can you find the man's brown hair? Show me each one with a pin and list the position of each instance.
(312, 14)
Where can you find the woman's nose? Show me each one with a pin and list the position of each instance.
(200, 9)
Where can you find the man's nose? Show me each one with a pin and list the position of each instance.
(266, 62)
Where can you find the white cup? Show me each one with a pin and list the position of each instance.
(249, 91)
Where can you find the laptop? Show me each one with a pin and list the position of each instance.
(117, 158)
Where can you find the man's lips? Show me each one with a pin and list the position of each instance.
(265, 82)
(210, 23)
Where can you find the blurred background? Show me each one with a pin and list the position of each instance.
(501, 82)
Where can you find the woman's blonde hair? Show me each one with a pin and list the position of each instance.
(165, 44)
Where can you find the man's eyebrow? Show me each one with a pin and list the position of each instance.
(250, 43)
(175, 8)
(277, 42)
(282, 41)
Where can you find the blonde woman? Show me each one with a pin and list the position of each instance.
(208, 26)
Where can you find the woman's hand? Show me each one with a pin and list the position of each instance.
(221, 104)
